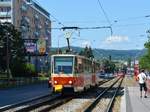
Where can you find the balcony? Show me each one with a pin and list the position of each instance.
(39, 26)
(24, 8)
(36, 17)
(5, 20)
(24, 28)
(37, 34)
(5, 14)
(6, 3)
(48, 32)
(25, 20)
(46, 23)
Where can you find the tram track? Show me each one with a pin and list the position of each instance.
(111, 103)
(79, 102)
(104, 101)
(44, 103)
(45, 107)
(26, 104)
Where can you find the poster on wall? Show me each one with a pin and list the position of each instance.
(41, 45)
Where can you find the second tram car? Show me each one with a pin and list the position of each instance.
(73, 72)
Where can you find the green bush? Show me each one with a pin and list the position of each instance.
(23, 70)
(30, 69)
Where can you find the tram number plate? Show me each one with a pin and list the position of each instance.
(58, 87)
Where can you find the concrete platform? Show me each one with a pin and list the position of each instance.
(131, 101)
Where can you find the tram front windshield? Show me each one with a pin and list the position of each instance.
(63, 65)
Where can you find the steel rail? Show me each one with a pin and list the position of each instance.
(110, 105)
(21, 105)
(5, 108)
(36, 105)
(96, 101)
(55, 105)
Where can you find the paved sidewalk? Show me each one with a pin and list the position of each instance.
(138, 104)
(133, 101)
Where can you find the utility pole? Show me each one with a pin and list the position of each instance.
(7, 49)
(7, 54)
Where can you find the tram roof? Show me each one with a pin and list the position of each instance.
(73, 55)
(66, 55)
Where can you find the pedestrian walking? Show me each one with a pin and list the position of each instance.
(142, 82)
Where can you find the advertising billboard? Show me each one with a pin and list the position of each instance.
(30, 45)
(41, 45)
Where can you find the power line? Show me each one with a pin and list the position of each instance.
(91, 28)
(116, 20)
(106, 16)
(57, 20)
(104, 12)
(133, 25)
(132, 18)
(97, 27)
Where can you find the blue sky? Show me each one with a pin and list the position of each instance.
(127, 18)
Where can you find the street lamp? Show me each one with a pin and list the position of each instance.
(58, 49)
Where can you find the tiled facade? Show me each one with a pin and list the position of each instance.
(32, 20)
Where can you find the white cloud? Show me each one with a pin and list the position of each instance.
(116, 39)
(86, 43)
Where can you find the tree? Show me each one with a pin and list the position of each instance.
(90, 53)
(81, 53)
(87, 52)
(145, 59)
(15, 44)
(109, 66)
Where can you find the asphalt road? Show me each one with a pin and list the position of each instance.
(15, 95)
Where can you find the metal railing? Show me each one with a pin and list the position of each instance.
(20, 81)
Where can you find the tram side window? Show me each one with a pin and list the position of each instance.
(77, 69)
(89, 66)
(80, 68)
(78, 65)
(86, 66)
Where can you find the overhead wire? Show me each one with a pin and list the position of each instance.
(132, 18)
(105, 14)
(60, 23)
(116, 20)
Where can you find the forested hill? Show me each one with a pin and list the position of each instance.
(115, 54)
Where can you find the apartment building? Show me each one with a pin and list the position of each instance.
(34, 23)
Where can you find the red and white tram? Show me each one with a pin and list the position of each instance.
(73, 72)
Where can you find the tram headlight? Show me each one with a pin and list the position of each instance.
(50, 81)
(55, 82)
(70, 82)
